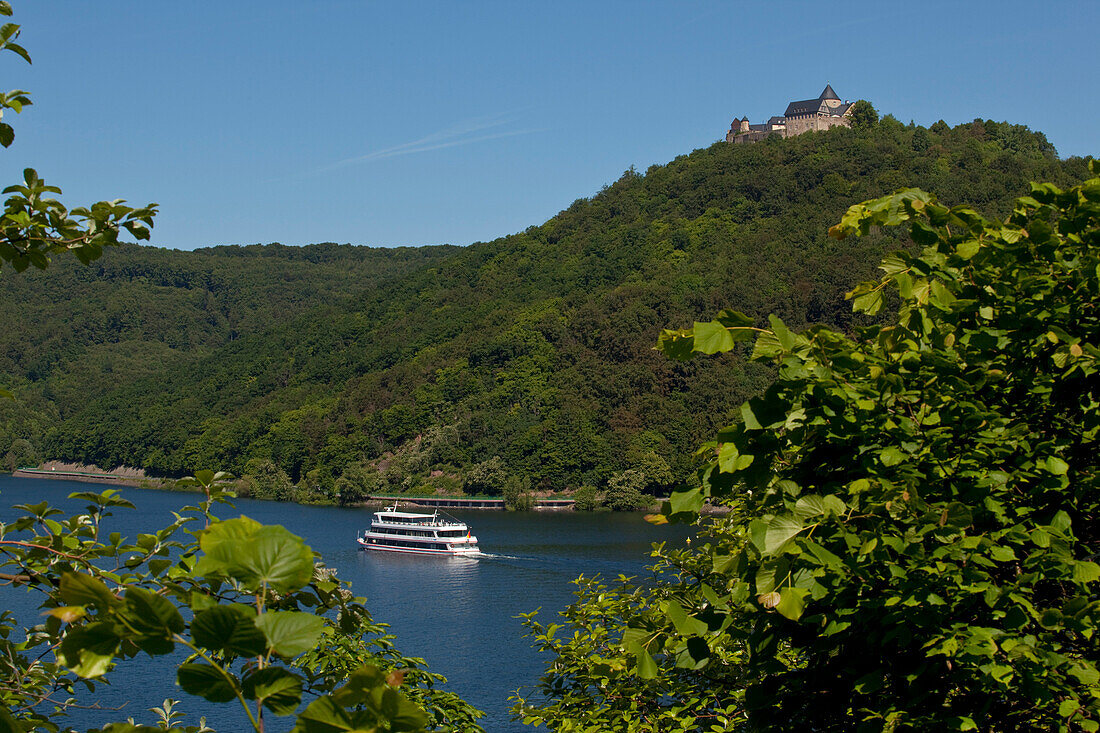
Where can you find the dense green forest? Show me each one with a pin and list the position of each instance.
(526, 362)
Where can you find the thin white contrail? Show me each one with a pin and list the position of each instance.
(419, 147)
(463, 133)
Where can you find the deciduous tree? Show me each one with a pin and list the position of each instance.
(864, 115)
(912, 536)
(34, 225)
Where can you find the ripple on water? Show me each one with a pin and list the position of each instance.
(457, 613)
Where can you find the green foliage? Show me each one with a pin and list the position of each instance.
(534, 348)
(588, 499)
(488, 477)
(265, 480)
(265, 626)
(605, 674)
(17, 99)
(864, 115)
(261, 621)
(356, 484)
(912, 528)
(646, 455)
(921, 139)
(21, 453)
(316, 487)
(34, 225)
(624, 491)
(517, 495)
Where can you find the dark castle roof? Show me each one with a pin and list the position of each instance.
(804, 107)
(813, 106)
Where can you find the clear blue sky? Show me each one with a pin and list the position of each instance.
(406, 123)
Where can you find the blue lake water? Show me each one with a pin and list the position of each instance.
(459, 614)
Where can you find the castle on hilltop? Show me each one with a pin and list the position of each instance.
(809, 114)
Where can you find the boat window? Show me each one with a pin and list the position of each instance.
(405, 532)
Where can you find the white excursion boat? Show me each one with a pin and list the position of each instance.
(422, 534)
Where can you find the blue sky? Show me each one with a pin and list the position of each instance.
(407, 123)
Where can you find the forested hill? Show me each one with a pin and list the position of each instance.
(443, 368)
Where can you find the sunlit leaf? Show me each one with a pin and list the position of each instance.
(791, 602)
(290, 633)
(68, 614)
(780, 530)
(646, 668)
(276, 558)
(712, 338)
(685, 501)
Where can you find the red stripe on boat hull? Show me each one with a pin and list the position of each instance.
(411, 551)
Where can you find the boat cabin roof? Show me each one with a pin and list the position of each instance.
(405, 515)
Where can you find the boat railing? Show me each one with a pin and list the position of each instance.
(439, 518)
(435, 523)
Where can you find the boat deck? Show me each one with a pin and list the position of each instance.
(462, 503)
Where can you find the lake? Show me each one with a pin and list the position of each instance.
(459, 614)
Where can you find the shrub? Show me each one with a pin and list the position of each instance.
(587, 499)
(912, 533)
(624, 491)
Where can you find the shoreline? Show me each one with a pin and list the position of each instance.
(87, 477)
(375, 501)
(93, 477)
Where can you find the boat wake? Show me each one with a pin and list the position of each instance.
(496, 556)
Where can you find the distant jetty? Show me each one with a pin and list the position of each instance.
(453, 502)
(119, 475)
(89, 476)
(128, 478)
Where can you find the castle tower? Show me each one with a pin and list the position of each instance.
(829, 97)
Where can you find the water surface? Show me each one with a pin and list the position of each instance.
(457, 613)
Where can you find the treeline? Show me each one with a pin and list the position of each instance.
(522, 364)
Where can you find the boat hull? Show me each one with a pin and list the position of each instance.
(456, 552)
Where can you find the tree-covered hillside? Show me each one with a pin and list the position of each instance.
(529, 358)
(75, 332)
